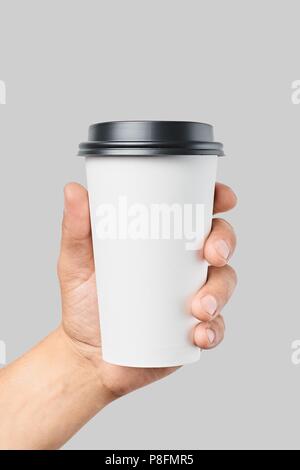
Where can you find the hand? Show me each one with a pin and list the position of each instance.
(76, 271)
(66, 370)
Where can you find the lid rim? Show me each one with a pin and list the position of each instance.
(151, 138)
(138, 151)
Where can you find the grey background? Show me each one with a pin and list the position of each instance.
(68, 64)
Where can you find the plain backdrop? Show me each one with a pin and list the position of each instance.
(72, 63)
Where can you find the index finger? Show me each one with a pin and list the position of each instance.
(225, 198)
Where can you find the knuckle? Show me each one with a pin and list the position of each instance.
(220, 328)
(222, 324)
(222, 278)
(231, 275)
(222, 223)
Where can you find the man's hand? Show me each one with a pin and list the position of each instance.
(76, 271)
(63, 380)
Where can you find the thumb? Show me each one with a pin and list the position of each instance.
(76, 261)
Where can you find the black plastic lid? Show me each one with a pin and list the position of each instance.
(150, 138)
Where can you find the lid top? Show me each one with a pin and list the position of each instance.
(151, 138)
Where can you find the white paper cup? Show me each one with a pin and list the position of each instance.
(150, 215)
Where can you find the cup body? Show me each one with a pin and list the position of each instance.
(147, 269)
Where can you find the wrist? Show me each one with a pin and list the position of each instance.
(60, 392)
(85, 371)
(85, 361)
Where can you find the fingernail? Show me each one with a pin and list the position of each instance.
(222, 249)
(211, 336)
(209, 304)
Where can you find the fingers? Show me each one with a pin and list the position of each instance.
(208, 303)
(209, 334)
(211, 298)
(220, 244)
(76, 257)
(225, 198)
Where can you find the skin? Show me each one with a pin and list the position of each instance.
(49, 393)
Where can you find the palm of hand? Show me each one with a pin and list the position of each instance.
(81, 323)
